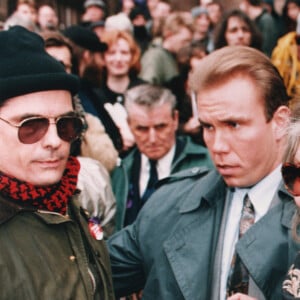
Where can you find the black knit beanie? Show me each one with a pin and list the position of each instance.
(25, 66)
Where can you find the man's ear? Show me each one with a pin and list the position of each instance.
(176, 117)
(281, 120)
(128, 120)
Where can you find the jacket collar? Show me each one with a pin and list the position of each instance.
(9, 209)
(218, 191)
(211, 196)
(184, 147)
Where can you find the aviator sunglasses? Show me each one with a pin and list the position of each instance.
(291, 177)
(31, 130)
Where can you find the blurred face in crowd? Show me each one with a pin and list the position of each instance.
(93, 14)
(118, 58)
(153, 129)
(214, 12)
(244, 6)
(233, 117)
(293, 10)
(127, 6)
(202, 24)
(237, 32)
(180, 39)
(162, 10)
(204, 2)
(47, 17)
(27, 12)
(63, 55)
(43, 162)
(151, 4)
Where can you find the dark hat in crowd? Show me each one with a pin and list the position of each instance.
(198, 11)
(25, 66)
(137, 11)
(85, 38)
(99, 3)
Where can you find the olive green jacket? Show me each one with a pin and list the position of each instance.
(43, 255)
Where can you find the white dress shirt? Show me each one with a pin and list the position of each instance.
(163, 166)
(261, 196)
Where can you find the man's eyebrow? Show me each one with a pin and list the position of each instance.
(69, 113)
(227, 119)
(202, 123)
(234, 119)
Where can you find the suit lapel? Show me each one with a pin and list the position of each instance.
(264, 254)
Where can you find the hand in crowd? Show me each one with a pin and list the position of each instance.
(136, 296)
(240, 296)
(192, 126)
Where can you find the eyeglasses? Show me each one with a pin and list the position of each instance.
(31, 130)
(291, 177)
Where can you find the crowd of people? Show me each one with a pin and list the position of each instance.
(157, 155)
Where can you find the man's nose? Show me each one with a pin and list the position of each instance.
(220, 143)
(152, 135)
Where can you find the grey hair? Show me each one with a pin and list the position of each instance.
(292, 145)
(293, 135)
(149, 95)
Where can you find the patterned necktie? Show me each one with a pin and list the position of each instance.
(238, 278)
(153, 178)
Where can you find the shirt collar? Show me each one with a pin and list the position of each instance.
(266, 187)
(164, 164)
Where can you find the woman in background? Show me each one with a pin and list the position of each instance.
(121, 66)
(290, 14)
(236, 28)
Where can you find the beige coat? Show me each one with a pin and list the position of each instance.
(96, 193)
(97, 144)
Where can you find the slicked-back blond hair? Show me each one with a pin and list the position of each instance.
(226, 63)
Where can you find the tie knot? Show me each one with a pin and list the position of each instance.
(247, 204)
(248, 215)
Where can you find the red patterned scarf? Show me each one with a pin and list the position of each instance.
(53, 198)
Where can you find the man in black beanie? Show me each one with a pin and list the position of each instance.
(50, 248)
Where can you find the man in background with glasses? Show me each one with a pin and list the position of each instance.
(50, 248)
